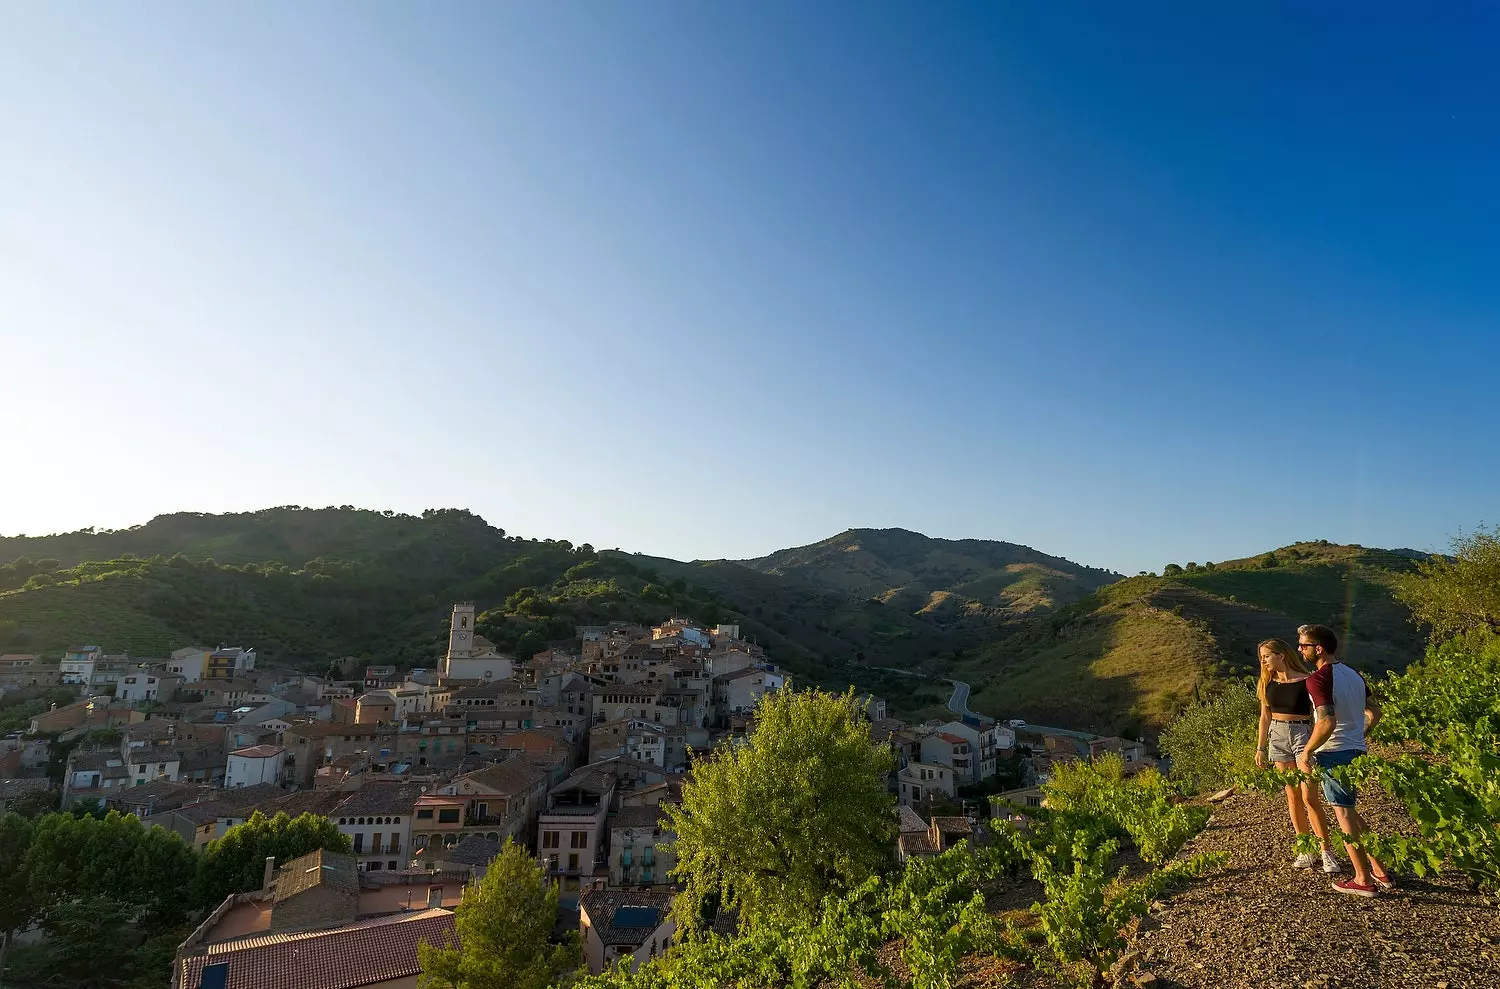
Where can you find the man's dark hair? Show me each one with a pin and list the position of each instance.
(1321, 635)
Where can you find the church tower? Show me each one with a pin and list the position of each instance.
(460, 634)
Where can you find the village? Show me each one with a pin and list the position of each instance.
(571, 752)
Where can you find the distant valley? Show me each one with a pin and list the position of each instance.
(1038, 636)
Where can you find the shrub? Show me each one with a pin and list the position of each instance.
(1212, 744)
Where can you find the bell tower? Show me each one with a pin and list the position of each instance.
(460, 634)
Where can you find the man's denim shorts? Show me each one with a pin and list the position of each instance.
(1334, 792)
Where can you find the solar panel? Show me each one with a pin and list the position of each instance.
(647, 917)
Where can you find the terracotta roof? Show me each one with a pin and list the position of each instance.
(952, 739)
(380, 798)
(598, 778)
(625, 917)
(920, 843)
(359, 954)
(319, 868)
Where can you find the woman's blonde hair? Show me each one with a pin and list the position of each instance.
(1288, 656)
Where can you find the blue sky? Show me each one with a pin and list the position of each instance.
(1129, 285)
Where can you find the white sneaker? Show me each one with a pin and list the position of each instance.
(1303, 861)
(1330, 864)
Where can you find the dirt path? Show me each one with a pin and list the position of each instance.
(1262, 923)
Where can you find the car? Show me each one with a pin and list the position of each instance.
(1016, 723)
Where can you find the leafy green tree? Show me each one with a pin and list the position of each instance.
(798, 813)
(115, 858)
(1212, 744)
(505, 926)
(1171, 570)
(16, 908)
(236, 862)
(1461, 593)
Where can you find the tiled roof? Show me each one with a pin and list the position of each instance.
(380, 798)
(319, 868)
(255, 795)
(319, 802)
(598, 778)
(625, 917)
(638, 817)
(909, 821)
(150, 730)
(259, 751)
(157, 792)
(492, 689)
(11, 789)
(472, 850)
(920, 843)
(511, 777)
(952, 739)
(359, 954)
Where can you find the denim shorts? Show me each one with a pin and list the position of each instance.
(1334, 792)
(1286, 739)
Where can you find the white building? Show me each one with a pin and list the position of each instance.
(148, 685)
(471, 656)
(145, 763)
(377, 818)
(78, 664)
(257, 764)
(987, 740)
(614, 923)
(920, 782)
(190, 661)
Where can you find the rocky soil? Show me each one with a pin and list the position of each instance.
(1260, 922)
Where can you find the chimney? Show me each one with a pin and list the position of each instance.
(270, 873)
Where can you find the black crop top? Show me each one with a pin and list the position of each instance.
(1288, 698)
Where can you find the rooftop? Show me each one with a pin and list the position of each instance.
(11, 789)
(359, 954)
(472, 850)
(639, 817)
(259, 752)
(624, 917)
(381, 798)
(513, 776)
(319, 868)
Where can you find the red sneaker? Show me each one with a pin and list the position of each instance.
(1384, 882)
(1353, 888)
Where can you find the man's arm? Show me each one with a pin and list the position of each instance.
(1327, 722)
(1372, 712)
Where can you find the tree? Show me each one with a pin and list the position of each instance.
(505, 926)
(114, 857)
(15, 894)
(1461, 593)
(1171, 570)
(798, 813)
(236, 862)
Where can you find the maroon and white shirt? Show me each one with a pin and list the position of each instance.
(1343, 689)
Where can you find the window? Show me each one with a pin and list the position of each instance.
(373, 867)
(359, 842)
(423, 814)
(395, 845)
(447, 815)
(375, 843)
(572, 861)
(549, 839)
(391, 866)
(580, 839)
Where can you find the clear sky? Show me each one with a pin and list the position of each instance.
(1129, 283)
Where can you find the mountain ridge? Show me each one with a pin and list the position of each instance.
(1036, 635)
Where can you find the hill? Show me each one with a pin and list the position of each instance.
(1132, 654)
(309, 585)
(931, 576)
(1037, 636)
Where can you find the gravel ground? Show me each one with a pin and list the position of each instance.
(1260, 922)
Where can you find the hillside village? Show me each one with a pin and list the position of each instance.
(571, 752)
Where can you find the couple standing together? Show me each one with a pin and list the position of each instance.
(1314, 712)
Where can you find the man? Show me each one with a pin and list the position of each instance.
(1343, 711)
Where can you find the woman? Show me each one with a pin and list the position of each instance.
(1285, 725)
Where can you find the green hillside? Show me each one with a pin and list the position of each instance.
(386, 600)
(910, 567)
(1134, 653)
(1038, 637)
